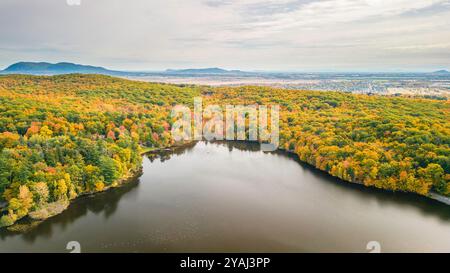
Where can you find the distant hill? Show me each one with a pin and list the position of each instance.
(441, 72)
(44, 68)
(52, 69)
(214, 70)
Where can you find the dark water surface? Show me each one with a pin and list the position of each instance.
(231, 197)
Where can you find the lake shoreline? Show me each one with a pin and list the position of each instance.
(432, 195)
(29, 221)
(34, 218)
(440, 198)
(19, 227)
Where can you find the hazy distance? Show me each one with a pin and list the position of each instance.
(281, 35)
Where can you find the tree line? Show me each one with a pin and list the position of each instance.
(68, 135)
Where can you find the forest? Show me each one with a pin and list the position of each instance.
(69, 135)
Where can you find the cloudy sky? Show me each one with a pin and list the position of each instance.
(283, 35)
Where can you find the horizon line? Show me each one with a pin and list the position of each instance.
(392, 70)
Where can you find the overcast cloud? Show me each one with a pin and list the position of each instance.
(300, 35)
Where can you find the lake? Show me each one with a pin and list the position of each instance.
(231, 197)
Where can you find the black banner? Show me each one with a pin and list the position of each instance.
(232, 262)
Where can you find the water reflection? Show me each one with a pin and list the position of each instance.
(166, 154)
(383, 198)
(102, 204)
(230, 196)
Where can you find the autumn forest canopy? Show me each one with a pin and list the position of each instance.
(68, 135)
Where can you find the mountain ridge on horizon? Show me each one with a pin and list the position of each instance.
(53, 68)
(47, 68)
(442, 71)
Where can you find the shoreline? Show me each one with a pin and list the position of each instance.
(29, 221)
(34, 218)
(440, 198)
(431, 195)
(19, 227)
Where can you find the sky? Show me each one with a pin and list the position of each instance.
(271, 35)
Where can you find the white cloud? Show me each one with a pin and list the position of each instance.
(422, 47)
(246, 34)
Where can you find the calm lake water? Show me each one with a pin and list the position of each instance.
(215, 197)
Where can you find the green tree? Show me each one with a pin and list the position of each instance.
(108, 169)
